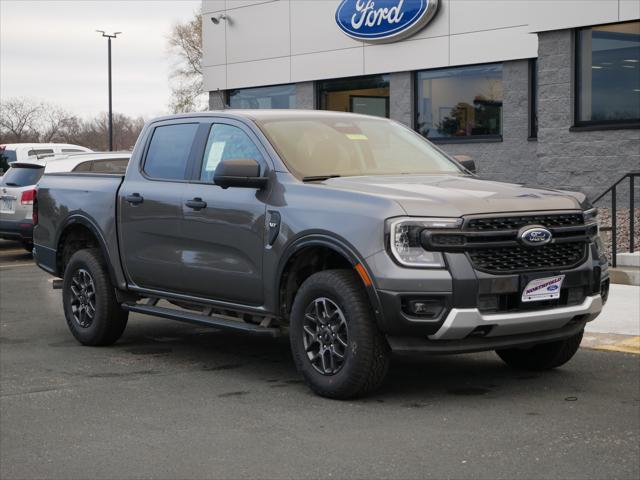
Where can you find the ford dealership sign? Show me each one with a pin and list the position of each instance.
(384, 20)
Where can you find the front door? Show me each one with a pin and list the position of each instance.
(223, 230)
(150, 209)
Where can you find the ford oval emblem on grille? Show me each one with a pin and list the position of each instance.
(534, 236)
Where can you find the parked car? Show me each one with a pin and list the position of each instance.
(19, 152)
(18, 186)
(96, 162)
(351, 234)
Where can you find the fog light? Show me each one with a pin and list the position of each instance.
(420, 308)
(423, 307)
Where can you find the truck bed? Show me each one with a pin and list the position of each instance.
(84, 198)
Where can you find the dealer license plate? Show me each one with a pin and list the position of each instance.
(547, 288)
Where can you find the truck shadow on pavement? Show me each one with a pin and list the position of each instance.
(158, 347)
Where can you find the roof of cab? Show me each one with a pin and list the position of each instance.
(265, 114)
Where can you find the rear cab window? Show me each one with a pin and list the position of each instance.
(169, 149)
(22, 176)
(113, 165)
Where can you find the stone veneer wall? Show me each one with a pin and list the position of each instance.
(588, 161)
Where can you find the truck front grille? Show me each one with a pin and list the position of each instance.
(513, 259)
(493, 245)
(518, 221)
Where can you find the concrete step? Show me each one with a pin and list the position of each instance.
(627, 259)
(627, 271)
(625, 275)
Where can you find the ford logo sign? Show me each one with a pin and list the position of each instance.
(384, 20)
(534, 236)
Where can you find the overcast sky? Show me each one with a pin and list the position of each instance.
(49, 50)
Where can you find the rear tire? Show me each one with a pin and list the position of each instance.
(544, 356)
(93, 314)
(331, 314)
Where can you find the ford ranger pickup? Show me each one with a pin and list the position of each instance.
(351, 234)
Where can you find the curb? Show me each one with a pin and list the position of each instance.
(611, 342)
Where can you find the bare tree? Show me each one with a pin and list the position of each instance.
(55, 123)
(125, 132)
(185, 44)
(18, 119)
(26, 120)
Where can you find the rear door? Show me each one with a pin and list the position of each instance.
(150, 207)
(223, 236)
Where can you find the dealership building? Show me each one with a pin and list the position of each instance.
(543, 92)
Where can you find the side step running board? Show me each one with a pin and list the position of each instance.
(198, 319)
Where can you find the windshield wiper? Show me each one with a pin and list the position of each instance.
(317, 178)
(11, 184)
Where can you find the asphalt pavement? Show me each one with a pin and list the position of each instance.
(171, 400)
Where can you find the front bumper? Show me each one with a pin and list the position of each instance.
(463, 322)
(476, 304)
(416, 345)
(21, 230)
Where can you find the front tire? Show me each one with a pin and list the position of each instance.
(335, 342)
(544, 356)
(93, 314)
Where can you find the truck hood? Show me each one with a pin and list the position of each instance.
(454, 196)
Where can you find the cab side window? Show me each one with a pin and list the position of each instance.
(40, 152)
(169, 151)
(226, 142)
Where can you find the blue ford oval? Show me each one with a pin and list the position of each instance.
(535, 236)
(384, 20)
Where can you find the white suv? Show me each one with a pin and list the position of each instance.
(20, 152)
(18, 186)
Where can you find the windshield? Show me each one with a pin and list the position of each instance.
(22, 176)
(345, 146)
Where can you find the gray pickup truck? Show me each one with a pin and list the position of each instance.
(351, 234)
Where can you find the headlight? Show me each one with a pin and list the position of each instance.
(404, 240)
(590, 216)
(591, 221)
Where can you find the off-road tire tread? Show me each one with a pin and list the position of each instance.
(542, 357)
(111, 318)
(372, 349)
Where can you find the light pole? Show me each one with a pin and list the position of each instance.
(109, 36)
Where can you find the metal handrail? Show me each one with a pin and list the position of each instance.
(614, 218)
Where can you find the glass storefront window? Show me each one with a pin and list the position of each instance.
(608, 74)
(278, 96)
(368, 95)
(460, 102)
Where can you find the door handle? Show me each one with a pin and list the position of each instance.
(196, 203)
(134, 198)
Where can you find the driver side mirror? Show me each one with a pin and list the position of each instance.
(240, 172)
(467, 162)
